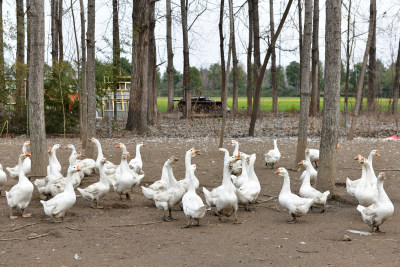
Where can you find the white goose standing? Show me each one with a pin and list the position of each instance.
(109, 167)
(3, 179)
(367, 192)
(188, 162)
(273, 156)
(248, 192)
(237, 166)
(20, 194)
(26, 165)
(136, 164)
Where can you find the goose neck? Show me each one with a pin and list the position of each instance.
(286, 183)
(226, 178)
(99, 151)
(138, 155)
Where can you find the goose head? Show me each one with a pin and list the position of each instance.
(73, 169)
(339, 146)
(233, 142)
(172, 160)
(381, 176)
(358, 157)
(282, 172)
(375, 153)
(71, 146)
(304, 163)
(193, 152)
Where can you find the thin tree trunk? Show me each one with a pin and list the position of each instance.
(91, 78)
(221, 50)
(170, 67)
(273, 60)
(249, 63)
(2, 80)
(348, 53)
(54, 30)
(371, 105)
(259, 81)
(20, 59)
(331, 113)
(60, 32)
(235, 63)
(186, 65)
(396, 84)
(315, 97)
(300, 36)
(138, 101)
(360, 84)
(78, 65)
(152, 110)
(225, 90)
(84, 94)
(257, 55)
(36, 96)
(116, 55)
(28, 46)
(304, 82)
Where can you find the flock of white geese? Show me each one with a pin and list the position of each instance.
(240, 185)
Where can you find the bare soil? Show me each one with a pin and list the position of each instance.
(131, 232)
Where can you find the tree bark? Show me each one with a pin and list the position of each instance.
(249, 63)
(28, 45)
(348, 53)
(371, 105)
(20, 56)
(235, 63)
(84, 94)
(257, 91)
(54, 30)
(396, 84)
(138, 101)
(300, 35)
(78, 66)
(225, 90)
(152, 110)
(60, 32)
(331, 112)
(186, 65)
(36, 96)
(304, 83)
(2, 80)
(170, 67)
(257, 55)
(273, 60)
(222, 53)
(91, 78)
(315, 97)
(360, 84)
(116, 55)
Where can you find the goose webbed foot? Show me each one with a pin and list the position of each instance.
(236, 218)
(293, 220)
(188, 224)
(128, 196)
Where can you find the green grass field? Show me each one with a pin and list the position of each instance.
(285, 104)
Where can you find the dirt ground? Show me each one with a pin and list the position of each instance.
(131, 232)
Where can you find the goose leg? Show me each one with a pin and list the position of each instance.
(98, 206)
(293, 220)
(170, 215)
(25, 215)
(165, 217)
(236, 218)
(198, 222)
(11, 214)
(128, 196)
(188, 224)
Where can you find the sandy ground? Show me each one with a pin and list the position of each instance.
(132, 233)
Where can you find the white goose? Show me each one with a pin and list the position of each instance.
(87, 166)
(3, 179)
(53, 159)
(26, 165)
(309, 170)
(163, 183)
(188, 162)
(136, 164)
(96, 191)
(124, 183)
(307, 191)
(273, 156)
(296, 205)
(314, 155)
(61, 203)
(237, 166)
(248, 192)
(238, 181)
(193, 205)
(377, 213)
(20, 194)
(367, 192)
(109, 167)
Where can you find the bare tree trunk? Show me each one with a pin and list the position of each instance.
(54, 30)
(348, 53)
(304, 83)
(235, 63)
(315, 97)
(396, 84)
(331, 112)
(273, 60)
(225, 90)
(78, 65)
(249, 64)
(186, 65)
(2, 80)
(138, 102)
(300, 36)
(60, 32)
(28, 45)
(91, 78)
(19, 75)
(116, 55)
(360, 84)
(152, 110)
(170, 67)
(257, 92)
(257, 55)
(84, 94)
(371, 105)
(36, 96)
(222, 53)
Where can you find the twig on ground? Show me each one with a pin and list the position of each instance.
(73, 228)
(307, 251)
(21, 227)
(37, 236)
(135, 224)
(265, 200)
(9, 239)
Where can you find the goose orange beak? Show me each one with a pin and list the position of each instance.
(237, 156)
(362, 160)
(377, 153)
(278, 171)
(197, 152)
(128, 154)
(383, 176)
(357, 157)
(231, 142)
(83, 155)
(29, 142)
(78, 169)
(300, 163)
(339, 146)
(118, 145)
(27, 154)
(176, 159)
